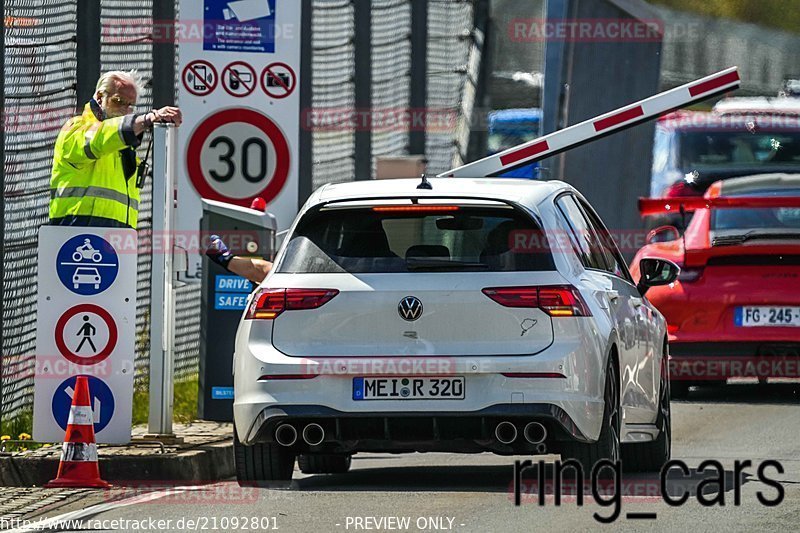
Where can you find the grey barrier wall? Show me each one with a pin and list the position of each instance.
(695, 45)
(50, 59)
(585, 78)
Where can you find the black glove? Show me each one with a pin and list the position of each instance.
(218, 252)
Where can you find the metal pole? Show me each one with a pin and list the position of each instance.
(88, 49)
(164, 54)
(162, 296)
(2, 200)
(363, 88)
(305, 165)
(419, 72)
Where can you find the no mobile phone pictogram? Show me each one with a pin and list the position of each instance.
(200, 78)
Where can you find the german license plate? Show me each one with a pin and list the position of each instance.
(767, 316)
(417, 388)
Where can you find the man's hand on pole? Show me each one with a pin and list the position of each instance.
(165, 115)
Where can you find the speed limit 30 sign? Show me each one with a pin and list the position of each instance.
(237, 154)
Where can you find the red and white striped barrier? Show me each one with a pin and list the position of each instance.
(78, 467)
(600, 126)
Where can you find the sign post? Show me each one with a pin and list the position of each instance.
(86, 322)
(163, 275)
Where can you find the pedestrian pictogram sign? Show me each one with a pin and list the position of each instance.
(85, 325)
(236, 155)
(239, 79)
(86, 334)
(199, 77)
(101, 399)
(87, 264)
(278, 80)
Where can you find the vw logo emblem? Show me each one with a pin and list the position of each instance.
(410, 308)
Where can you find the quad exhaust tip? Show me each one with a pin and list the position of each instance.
(535, 432)
(313, 434)
(505, 432)
(286, 435)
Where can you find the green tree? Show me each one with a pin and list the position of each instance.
(781, 14)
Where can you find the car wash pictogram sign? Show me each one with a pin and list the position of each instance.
(86, 323)
(240, 138)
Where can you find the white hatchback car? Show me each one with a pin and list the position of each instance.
(475, 315)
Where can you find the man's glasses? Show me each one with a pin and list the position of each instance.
(119, 101)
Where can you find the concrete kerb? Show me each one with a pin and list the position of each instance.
(205, 456)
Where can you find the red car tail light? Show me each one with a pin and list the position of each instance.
(269, 303)
(562, 301)
(557, 300)
(514, 296)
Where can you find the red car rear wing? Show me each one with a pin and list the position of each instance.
(659, 206)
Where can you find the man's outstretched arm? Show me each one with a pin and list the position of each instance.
(251, 268)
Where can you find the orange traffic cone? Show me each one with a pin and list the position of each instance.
(78, 467)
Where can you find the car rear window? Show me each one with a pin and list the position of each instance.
(463, 239)
(778, 218)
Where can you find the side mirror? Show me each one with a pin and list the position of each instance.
(656, 272)
(663, 234)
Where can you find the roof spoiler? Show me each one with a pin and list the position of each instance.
(685, 204)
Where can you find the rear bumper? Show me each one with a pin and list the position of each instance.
(713, 361)
(430, 431)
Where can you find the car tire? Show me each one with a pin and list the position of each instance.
(262, 464)
(652, 456)
(679, 390)
(607, 445)
(324, 463)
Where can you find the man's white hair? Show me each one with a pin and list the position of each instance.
(107, 84)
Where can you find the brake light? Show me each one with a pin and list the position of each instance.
(415, 208)
(690, 274)
(269, 303)
(556, 301)
(672, 329)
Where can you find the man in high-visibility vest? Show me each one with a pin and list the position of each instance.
(94, 178)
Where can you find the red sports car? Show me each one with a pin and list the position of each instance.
(735, 308)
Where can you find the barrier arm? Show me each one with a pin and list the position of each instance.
(600, 126)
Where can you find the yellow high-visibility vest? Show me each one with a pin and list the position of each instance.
(88, 178)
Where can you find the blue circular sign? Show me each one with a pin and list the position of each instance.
(87, 264)
(100, 396)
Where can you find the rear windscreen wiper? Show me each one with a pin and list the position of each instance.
(729, 240)
(429, 263)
